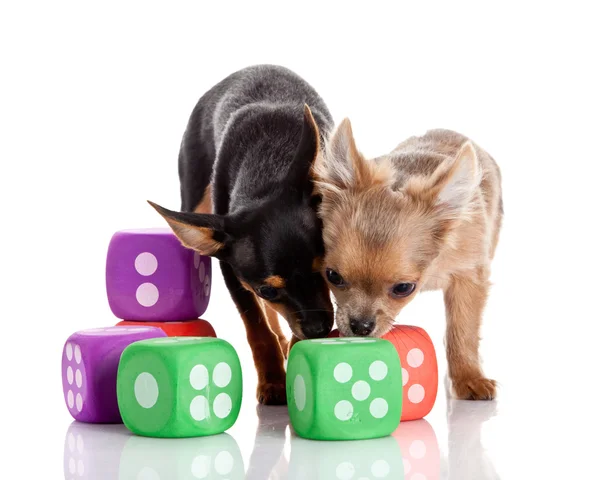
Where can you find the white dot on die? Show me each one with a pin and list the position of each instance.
(71, 442)
(342, 372)
(78, 378)
(202, 273)
(146, 390)
(196, 259)
(378, 370)
(199, 377)
(415, 357)
(344, 471)
(300, 392)
(407, 465)
(77, 354)
(69, 351)
(80, 469)
(224, 462)
(378, 408)
(361, 390)
(201, 466)
(416, 393)
(199, 408)
(380, 469)
(70, 375)
(222, 375)
(147, 294)
(72, 466)
(404, 377)
(343, 410)
(70, 399)
(79, 443)
(148, 473)
(146, 264)
(206, 286)
(417, 449)
(79, 402)
(222, 405)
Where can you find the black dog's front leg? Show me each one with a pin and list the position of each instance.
(266, 351)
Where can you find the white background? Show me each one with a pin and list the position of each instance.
(94, 98)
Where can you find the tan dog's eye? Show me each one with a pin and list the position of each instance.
(335, 278)
(401, 290)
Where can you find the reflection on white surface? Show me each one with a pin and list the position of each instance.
(412, 452)
(204, 458)
(93, 451)
(467, 458)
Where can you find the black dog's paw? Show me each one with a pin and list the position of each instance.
(271, 394)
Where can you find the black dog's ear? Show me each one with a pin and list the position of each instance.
(201, 232)
(307, 150)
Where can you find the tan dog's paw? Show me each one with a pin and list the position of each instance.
(271, 394)
(475, 389)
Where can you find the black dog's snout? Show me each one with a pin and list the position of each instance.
(362, 326)
(317, 330)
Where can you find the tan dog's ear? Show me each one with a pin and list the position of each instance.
(452, 185)
(342, 166)
(201, 232)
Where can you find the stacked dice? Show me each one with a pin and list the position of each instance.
(159, 289)
(152, 278)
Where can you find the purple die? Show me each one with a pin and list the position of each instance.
(151, 276)
(89, 370)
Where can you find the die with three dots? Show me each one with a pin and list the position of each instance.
(179, 386)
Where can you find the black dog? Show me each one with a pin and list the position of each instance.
(245, 170)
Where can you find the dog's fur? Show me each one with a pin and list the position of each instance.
(429, 214)
(247, 199)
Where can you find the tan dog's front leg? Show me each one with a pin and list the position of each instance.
(465, 299)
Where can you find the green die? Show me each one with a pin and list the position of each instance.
(344, 388)
(179, 386)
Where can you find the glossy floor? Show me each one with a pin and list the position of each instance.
(413, 452)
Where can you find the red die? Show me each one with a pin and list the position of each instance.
(419, 369)
(191, 328)
(420, 450)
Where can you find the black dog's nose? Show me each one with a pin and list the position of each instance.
(362, 326)
(315, 330)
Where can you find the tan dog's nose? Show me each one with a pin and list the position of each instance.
(362, 326)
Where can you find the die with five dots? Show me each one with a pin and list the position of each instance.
(89, 370)
(179, 387)
(150, 276)
(344, 388)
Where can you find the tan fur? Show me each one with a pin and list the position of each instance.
(275, 281)
(275, 326)
(205, 205)
(428, 213)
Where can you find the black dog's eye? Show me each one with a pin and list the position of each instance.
(401, 290)
(334, 278)
(267, 292)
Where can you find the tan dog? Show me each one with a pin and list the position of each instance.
(426, 216)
